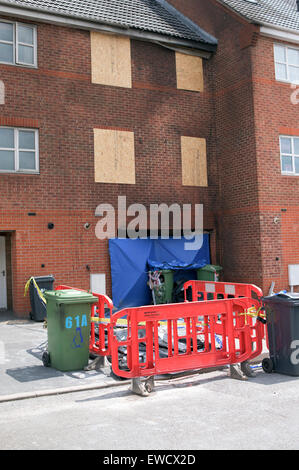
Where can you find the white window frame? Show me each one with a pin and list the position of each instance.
(16, 43)
(16, 150)
(286, 63)
(293, 155)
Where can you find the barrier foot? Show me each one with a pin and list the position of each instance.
(99, 362)
(142, 388)
(235, 372)
(246, 369)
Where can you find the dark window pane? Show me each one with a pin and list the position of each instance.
(6, 32)
(25, 34)
(286, 163)
(286, 145)
(6, 52)
(26, 55)
(7, 160)
(6, 138)
(27, 161)
(26, 140)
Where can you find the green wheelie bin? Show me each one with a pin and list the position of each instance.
(210, 272)
(68, 324)
(163, 292)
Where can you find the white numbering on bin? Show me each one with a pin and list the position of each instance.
(78, 321)
(294, 358)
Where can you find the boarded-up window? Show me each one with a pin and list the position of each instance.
(114, 156)
(194, 161)
(111, 60)
(189, 72)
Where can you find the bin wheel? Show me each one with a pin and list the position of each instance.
(267, 365)
(46, 359)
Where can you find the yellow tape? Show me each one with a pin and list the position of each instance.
(125, 322)
(107, 320)
(37, 288)
(252, 312)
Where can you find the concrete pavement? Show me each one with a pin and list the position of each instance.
(208, 411)
(22, 372)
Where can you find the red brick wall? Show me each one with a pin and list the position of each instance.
(275, 115)
(61, 101)
(237, 209)
(259, 223)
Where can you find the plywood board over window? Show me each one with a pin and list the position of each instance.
(114, 156)
(194, 161)
(111, 60)
(189, 71)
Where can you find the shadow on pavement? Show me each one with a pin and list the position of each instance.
(31, 373)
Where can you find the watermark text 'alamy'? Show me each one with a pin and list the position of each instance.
(144, 222)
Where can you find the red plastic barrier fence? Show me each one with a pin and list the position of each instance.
(210, 290)
(201, 323)
(97, 346)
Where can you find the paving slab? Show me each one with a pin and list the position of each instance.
(22, 343)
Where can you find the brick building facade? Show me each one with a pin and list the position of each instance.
(258, 212)
(61, 100)
(240, 111)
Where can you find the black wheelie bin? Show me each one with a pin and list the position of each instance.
(38, 306)
(282, 313)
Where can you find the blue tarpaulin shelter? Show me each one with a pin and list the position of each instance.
(132, 259)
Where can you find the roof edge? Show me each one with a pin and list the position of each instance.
(280, 34)
(75, 21)
(239, 16)
(280, 28)
(256, 22)
(197, 29)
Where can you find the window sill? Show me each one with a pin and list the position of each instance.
(19, 65)
(14, 173)
(286, 82)
(295, 175)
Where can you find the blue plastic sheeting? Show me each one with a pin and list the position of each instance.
(132, 259)
(170, 254)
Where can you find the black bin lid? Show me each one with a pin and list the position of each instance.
(48, 278)
(283, 297)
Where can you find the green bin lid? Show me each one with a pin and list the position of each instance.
(70, 296)
(211, 268)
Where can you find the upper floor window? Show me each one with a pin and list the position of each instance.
(18, 44)
(289, 155)
(286, 63)
(18, 150)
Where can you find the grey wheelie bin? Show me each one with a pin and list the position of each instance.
(38, 307)
(282, 313)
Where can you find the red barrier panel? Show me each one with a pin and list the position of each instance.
(97, 346)
(201, 323)
(210, 290)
